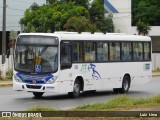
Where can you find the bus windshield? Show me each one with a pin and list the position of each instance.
(36, 58)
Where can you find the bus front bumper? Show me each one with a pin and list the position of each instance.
(34, 87)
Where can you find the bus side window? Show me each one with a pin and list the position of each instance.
(137, 51)
(89, 51)
(126, 51)
(114, 51)
(102, 51)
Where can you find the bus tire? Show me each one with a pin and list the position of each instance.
(38, 94)
(125, 84)
(76, 90)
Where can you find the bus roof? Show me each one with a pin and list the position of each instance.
(97, 36)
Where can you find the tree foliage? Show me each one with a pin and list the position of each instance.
(79, 24)
(146, 11)
(106, 24)
(97, 10)
(72, 15)
(84, 3)
(51, 17)
(142, 28)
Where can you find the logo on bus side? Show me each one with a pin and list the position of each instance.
(95, 73)
(91, 68)
(84, 68)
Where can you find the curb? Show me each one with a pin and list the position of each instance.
(5, 84)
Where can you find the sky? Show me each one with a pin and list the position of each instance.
(15, 11)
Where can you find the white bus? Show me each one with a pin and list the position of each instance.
(72, 63)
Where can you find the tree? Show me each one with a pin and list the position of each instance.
(97, 10)
(51, 17)
(106, 24)
(134, 10)
(147, 11)
(34, 6)
(84, 3)
(142, 28)
(79, 24)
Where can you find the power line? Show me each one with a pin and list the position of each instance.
(15, 9)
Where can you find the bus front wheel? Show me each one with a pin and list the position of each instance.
(76, 90)
(38, 94)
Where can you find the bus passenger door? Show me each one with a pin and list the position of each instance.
(66, 61)
(65, 67)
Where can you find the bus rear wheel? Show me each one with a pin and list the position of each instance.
(76, 90)
(38, 94)
(125, 84)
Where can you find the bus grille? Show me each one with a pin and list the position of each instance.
(33, 87)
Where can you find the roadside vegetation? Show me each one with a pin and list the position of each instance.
(8, 77)
(122, 102)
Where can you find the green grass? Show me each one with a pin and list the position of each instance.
(121, 103)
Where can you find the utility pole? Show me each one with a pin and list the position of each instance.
(4, 39)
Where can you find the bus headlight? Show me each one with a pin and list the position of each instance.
(17, 79)
(52, 80)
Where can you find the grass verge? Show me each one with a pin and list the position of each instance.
(122, 103)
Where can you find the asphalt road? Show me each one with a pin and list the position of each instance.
(20, 101)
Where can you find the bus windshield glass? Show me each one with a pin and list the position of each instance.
(36, 57)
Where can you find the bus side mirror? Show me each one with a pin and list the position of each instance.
(8, 53)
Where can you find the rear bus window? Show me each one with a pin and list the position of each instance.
(147, 51)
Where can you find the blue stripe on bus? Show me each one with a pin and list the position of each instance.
(39, 78)
(111, 7)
